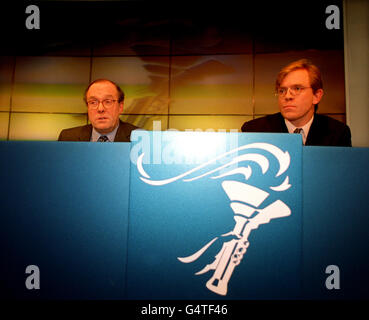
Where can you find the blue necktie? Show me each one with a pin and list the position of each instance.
(103, 139)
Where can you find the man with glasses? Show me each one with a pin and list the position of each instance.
(104, 100)
(299, 89)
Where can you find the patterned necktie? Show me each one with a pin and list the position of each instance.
(298, 130)
(102, 139)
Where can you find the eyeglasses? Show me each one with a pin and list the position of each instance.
(94, 103)
(295, 90)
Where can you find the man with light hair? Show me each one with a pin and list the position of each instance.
(299, 89)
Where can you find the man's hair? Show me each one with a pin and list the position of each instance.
(119, 90)
(313, 71)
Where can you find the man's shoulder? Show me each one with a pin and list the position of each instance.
(329, 123)
(128, 125)
(75, 129)
(75, 133)
(270, 123)
(124, 131)
(326, 131)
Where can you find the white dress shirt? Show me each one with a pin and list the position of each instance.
(305, 128)
(111, 135)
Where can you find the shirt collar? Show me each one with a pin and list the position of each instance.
(305, 128)
(111, 135)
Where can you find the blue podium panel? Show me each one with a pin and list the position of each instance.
(64, 208)
(215, 215)
(336, 222)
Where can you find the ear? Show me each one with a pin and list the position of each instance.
(317, 96)
(121, 104)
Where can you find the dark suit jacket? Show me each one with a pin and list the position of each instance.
(324, 131)
(83, 133)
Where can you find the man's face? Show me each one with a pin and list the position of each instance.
(298, 109)
(104, 120)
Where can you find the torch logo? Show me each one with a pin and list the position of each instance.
(246, 203)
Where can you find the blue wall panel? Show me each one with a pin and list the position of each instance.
(336, 221)
(64, 208)
(98, 226)
(175, 219)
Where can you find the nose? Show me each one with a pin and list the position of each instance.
(100, 107)
(288, 95)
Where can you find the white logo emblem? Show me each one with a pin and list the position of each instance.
(245, 201)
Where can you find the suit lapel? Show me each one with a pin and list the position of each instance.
(281, 124)
(86, 132)
(122, 134)
(314, 132)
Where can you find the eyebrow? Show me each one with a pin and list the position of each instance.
(295, 84)
(105, 97)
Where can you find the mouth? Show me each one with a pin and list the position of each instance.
(287, 107)
(102, 118)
